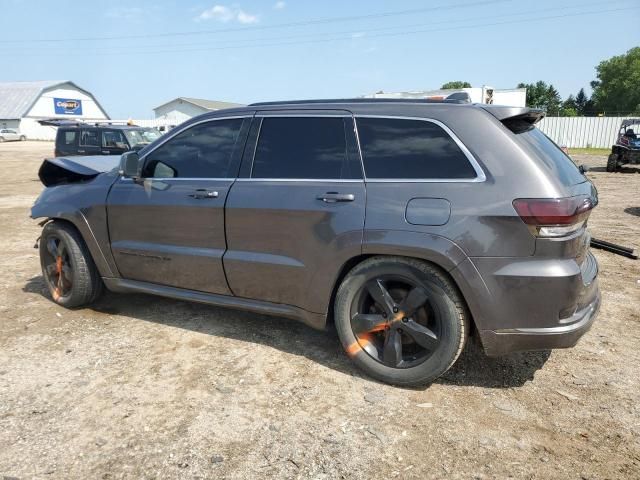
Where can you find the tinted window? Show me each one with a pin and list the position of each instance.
(396, 148)
(113, 139)
(89, 138)
(202, 151)
(302, 148)
(552, 158)
(69, 138)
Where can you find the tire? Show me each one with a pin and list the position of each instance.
(22, 138)
(434, 335)
(612, 163)
(1, 139)
(67, 266)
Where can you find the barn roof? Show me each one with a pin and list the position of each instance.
(17, 98)
(201, 102)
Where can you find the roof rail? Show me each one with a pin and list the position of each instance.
(358, 100)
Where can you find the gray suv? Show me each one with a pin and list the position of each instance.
(409, 225)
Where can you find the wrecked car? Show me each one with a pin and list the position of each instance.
(409, 226)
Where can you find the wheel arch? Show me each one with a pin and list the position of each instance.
(79, 222)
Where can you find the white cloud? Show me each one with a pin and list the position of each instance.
(247, 18)
(222, 13)
(280, 5)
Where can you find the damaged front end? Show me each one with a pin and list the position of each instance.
(65, 170)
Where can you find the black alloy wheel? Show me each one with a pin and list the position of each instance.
(57, 267)
(394, 321)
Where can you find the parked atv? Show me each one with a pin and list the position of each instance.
(627, 147)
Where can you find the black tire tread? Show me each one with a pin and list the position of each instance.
(612, 163)
(87, 283)
(443, 280)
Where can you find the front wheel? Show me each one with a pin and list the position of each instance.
(612, 163)
(67, 267)
(22, 138)
(401, 320)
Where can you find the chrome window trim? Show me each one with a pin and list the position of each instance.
(308, 180)
(480, 175)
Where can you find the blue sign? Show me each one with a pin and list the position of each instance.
(67, 106)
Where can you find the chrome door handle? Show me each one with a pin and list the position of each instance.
(334, 197)
(202, 193)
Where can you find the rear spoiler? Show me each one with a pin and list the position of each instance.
(516, 119)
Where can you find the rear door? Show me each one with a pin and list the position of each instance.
(168, 229)
(297, 214)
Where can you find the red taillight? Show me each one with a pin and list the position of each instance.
(568, 214)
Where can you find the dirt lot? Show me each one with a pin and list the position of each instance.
(143, 387)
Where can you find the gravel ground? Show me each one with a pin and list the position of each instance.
(143, 387)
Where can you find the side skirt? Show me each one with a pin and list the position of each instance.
(314, 320)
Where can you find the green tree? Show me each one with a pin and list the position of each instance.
(617, 88)
(541, 95)
(554, 101)
(569, 107)
(455, 85)
(581, 102)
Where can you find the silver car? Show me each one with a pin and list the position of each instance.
(10, 135)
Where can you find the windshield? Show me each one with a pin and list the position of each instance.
(143, 136)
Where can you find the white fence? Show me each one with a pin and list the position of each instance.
(582, 132)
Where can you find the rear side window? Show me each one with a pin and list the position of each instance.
(550, 155)
(410, 149)
(302, 147)
(202, 151)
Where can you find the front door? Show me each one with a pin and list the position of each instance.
(113, 142)
(298, 214)
(168, 228)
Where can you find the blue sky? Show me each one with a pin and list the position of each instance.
(136, 54)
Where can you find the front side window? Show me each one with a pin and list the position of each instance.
(410, 149)
(113, 139)
(89, 138)
(302, 147)
(202, 151)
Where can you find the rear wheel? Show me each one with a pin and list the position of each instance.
(612, 163)
(1, 139)
(401, 320)
(22, 138)
(67, 267)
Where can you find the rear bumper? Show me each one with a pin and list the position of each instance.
(502, 342)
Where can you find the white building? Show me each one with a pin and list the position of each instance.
(511, 97)
(22, 104)
(183, 108)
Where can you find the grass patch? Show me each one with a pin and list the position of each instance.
(590, 151)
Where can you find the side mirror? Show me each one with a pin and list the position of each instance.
(583, 169)
(130, 164)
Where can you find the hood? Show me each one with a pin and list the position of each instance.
(59, 170)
